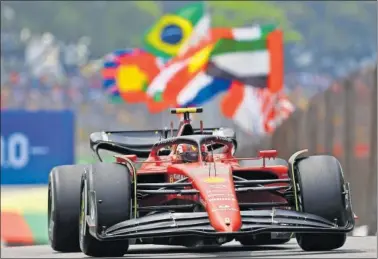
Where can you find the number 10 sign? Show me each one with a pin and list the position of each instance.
(32, 143)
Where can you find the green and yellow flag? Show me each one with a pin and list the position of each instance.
(173, 32)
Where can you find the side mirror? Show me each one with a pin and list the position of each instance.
(268, 153)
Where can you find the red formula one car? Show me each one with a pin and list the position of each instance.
(191, 190)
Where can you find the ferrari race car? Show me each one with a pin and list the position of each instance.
(187, 188)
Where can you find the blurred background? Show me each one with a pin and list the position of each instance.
(52, 54)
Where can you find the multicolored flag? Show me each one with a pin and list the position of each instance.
(174, 33)
(200, 63)
(181, 72)
(257, 66)
(127, 74)
(255, 101)
(201, 89)
(256, 111)
(164, 89)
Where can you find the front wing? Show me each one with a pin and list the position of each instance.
(197, 223)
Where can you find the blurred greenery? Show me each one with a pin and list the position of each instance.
(110, 25)
(241, 13)
(332, 26)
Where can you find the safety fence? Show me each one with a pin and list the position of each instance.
(341, 121)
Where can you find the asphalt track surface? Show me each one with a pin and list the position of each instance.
(356, 247)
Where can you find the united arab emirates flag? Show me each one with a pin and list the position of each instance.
(258, 62)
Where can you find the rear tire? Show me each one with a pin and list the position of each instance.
(320, 179)
(112, 186)
(63, 207)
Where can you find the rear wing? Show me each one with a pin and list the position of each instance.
(125, 142)
(141, 142)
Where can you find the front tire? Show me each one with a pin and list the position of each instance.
(111, 184)
(63, 207)
(321, 182)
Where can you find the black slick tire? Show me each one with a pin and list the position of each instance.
(63, 207)
(112, 186)
(320, 179)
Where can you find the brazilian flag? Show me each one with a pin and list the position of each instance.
(166, 37)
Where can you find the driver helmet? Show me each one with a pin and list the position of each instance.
(182, 148)
(187, 152)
